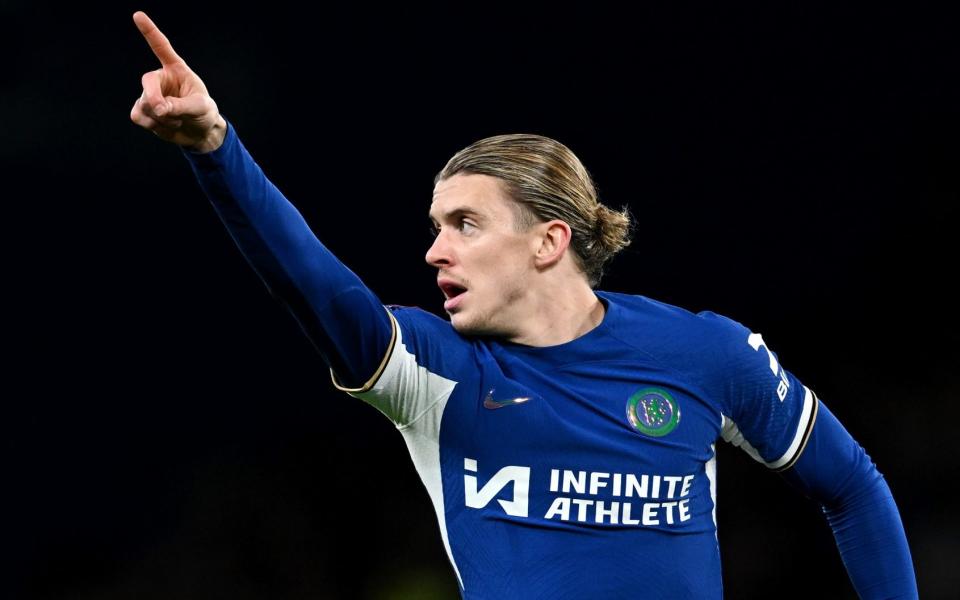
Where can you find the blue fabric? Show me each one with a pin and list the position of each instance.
(646, 394)
(836, 472)
(763, 398)
(345, 321)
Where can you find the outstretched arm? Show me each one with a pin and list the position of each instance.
(345, 321)
(835, 471)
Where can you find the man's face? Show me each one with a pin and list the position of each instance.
(483, 262)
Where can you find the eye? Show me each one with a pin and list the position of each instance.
(434, 231)
(466, 226)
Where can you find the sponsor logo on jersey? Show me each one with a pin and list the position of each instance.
(641, 499)
(653, 411)
(478, 498)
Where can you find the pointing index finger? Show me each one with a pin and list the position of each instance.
(158, 42)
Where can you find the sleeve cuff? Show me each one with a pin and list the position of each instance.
(214, 157)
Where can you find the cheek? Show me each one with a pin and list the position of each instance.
(508, 281)
(501, 270)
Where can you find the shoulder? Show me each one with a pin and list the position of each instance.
(418, 321)
(669, 330)
(417, 316)
(431, 341)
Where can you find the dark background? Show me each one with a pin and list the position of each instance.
(169, 432)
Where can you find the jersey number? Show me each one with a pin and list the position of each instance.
(756, 340)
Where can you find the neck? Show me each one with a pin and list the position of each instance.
(560, 314)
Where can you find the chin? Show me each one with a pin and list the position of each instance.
(466, 326)
(462, 325)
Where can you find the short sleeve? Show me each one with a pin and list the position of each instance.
(767, 411)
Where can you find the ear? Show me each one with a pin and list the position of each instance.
(553, 241)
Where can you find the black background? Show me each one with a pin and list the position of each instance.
(169, 432)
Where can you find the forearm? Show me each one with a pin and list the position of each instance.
(872, 543)
(836, 472)
(341, 316)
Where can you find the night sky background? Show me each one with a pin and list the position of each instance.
(169, 432)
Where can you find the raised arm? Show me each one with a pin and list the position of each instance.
(345, 321)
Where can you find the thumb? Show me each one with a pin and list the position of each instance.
(175, 107)
(164, 106)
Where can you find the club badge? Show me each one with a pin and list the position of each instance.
(653, 411)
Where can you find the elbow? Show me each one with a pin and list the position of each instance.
(834, 469)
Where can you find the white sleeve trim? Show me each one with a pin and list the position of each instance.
(808, 415)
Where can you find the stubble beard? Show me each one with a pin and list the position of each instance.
(490, 322)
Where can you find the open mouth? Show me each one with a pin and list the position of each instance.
(451, 290)
(453, 293)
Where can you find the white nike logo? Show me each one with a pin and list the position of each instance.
(490, 403)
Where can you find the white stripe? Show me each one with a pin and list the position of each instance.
(801, 429)
(711, 468)
(414, 399)
(731, 433)
(424, 446)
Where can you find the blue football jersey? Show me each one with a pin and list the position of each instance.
(549, 466)
(581, 470)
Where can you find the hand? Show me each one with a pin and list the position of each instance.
(175, 104)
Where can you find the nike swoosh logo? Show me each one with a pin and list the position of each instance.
(490, 403)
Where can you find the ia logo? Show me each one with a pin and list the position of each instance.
(519, 476)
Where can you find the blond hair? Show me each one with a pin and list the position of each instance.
(548, 182)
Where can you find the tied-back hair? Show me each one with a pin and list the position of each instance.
(548, 182)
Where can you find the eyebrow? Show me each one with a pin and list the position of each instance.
(458, 212)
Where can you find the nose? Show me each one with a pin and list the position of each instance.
(439, 254)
